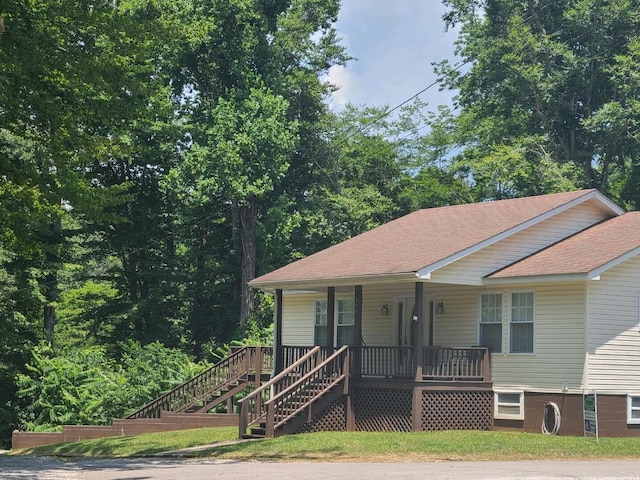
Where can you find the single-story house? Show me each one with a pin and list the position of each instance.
(494, 315)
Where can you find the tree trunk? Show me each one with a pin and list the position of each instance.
(200, 278)
(51, 283)
(248, 221)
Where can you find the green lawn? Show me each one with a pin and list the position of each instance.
(343, 446)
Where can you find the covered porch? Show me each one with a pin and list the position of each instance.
(407, 354)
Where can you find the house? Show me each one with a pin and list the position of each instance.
(495, 315)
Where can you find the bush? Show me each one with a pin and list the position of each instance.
(84, 386)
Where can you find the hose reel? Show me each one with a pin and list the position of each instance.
(551, 419)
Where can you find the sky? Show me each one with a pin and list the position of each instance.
(394, 43)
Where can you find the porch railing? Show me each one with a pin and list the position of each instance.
(440, 363)
(456, 364)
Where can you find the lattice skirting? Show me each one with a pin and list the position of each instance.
(390, 410)
(457, 410)
(331, 419)
(382, 410)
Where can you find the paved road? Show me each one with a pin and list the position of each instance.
(43, 468)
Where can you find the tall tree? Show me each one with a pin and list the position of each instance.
(538, 73)
(252, 70)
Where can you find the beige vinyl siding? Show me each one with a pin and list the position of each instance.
(559, 328)
(471, 269)
(613, 340)
(298, 313)
(377, 329)
(559, 343)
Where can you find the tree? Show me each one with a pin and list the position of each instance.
(252, 71)
(540, 74)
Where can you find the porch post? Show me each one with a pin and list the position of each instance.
(331, 317)
(278, 352)
(419, 330)
(357, 363)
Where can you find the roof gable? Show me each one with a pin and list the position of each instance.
(421, 241)
(588, 253)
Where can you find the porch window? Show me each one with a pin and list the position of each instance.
(320, 324)
(491, 321)
(509, 405)
(633, 409)
(346, 329)
(521, 324)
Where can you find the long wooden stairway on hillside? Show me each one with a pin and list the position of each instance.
(274, 407)
(184, 407)
(218, 384)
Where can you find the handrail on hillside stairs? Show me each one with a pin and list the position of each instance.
(294, 390)
(235, 367)
(252, 406)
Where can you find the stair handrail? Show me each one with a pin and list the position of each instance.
(338, 373)
(252, 406)
(198, 387)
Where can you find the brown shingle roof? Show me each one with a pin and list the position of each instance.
(582, 253)
(420, 239)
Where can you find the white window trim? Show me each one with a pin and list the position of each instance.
(479, 322)
(497, 404)
(631, 408)
(510, 322)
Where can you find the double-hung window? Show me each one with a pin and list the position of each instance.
(320, 324)
(521, 322)
(346, 330)
(491, 321)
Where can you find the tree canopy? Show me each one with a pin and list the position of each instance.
(156, 155)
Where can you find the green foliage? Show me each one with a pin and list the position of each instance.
(85, 386)
(549, 87)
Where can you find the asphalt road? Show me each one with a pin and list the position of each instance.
(45, 468)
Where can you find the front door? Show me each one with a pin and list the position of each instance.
(405, 325)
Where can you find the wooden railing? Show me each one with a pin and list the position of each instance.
(456, 364)
(299, 396)
(233, 368)
(387, 362)
(252, 409)
(440, 363)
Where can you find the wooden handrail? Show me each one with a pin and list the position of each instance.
(248, 417)
(295, 391)
(196, 389)
(311, 372)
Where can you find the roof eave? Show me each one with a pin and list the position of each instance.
(560, 277)
(315, 285)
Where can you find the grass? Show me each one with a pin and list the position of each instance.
(355, 446)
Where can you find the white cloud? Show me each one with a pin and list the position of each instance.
(395, 43)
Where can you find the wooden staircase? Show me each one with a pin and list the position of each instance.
(293, 397)
(217, 384)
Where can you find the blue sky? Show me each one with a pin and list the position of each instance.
(394, 43)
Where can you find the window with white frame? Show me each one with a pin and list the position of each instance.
(346, 325)
(521, 322)
(491, 321)
(320, 323)
(508, 405)
(633, 409)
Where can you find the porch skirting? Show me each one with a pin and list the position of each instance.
(407, 406)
